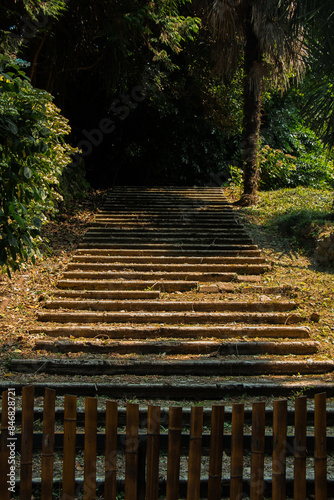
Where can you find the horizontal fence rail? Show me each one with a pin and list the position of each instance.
(144, 460)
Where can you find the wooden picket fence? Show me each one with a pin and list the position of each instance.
(142, 467)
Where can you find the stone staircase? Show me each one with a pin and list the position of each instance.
(166, 283)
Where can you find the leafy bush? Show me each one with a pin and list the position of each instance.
(291, 154)
(33, 155)
(282, 170)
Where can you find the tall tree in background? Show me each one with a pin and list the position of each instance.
(259, 34)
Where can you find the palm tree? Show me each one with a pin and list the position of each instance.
(260, 33)
(318, 19)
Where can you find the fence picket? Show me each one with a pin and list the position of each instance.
(4, 450)
(258, 448)
(90, 448)
(142, 453)
(237, 451)
(111, 451)
(195, 453)
(27, 442)
(70, 421)
(279, 450)
(300, 448)
(216, 452)
(320, 448)
(131, 451)
(152, 464)
(174, 451)
(48, 444)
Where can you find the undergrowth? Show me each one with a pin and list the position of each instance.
(300, 215)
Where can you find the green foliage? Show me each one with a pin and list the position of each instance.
(280, 170)
(291, 155)
(33, 155)
(173, 31)
(46, 7)
(301, 225)
(318, 106)
(235, 176)
(72, 183)
(21, 20)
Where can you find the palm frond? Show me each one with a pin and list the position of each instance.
(226, 18)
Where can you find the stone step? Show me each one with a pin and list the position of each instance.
(111, 295)
(174, 199)
(168, 306)
(148, 193)
(179, 332)
(186, 192)
(179, 241)
(156, 197)
(163, 285)
(191, 224)
(175, 196)
(159, 201)
(171, 207)
(166, 189)
(203, 347)
(167, 195)
(182, 197)
(181, 248)
(172, 268)
(169, 200)
(154, 232)
(181, 388)
(168, 220)
(169, 317)
(156, 275)
(209, 367)
(158, 252)
(180, 212)
(205, 212)
(154, 259)
(244, 288)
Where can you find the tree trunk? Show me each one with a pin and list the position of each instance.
(34, 61)
(253, 75)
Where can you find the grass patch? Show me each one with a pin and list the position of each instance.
(299, 215)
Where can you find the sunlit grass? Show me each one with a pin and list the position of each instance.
(318, 202)
(299, 215)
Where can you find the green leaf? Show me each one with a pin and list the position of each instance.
(27, 240)
(6, 76)
(27, 172)
(42, 147)
(19, 220)
(45, 132)
(12, 240)
(37, 222)
(12, 208)
(11, 126)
